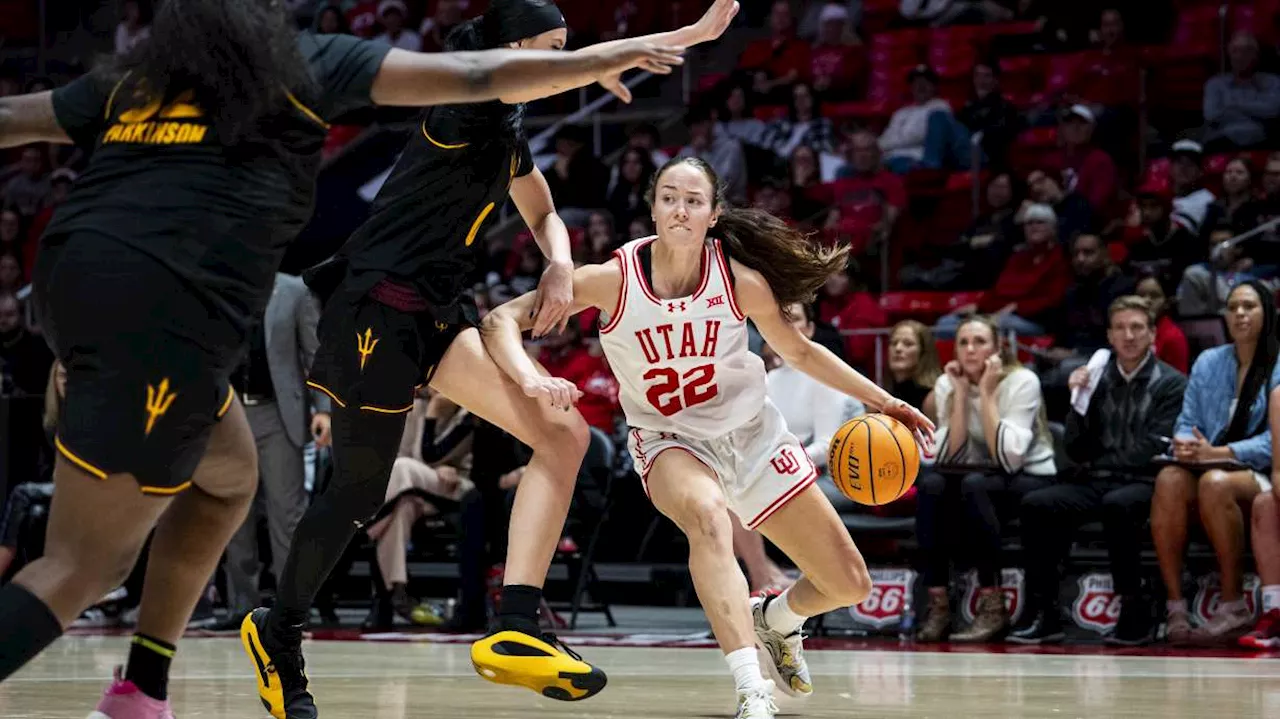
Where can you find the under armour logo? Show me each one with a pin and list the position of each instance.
(671, 306)
(158, 400)
(715, 301)
(785, 462)
(364, 345)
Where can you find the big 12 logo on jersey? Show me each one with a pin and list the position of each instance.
(1209, 596)
(1012, 583)
(889, 591)
(1096, 607)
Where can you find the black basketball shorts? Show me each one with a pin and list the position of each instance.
(372, 356)
(148, 361)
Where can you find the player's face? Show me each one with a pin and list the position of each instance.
(974, 344)
(684, 204)
(549, 40)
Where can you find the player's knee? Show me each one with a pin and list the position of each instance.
(565, 439)
(706, 519)
(853, 584)
(1264, 508)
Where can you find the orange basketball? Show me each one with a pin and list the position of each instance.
(873, 459)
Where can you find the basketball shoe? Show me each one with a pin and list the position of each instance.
(782, 654)
(282, 677)
(123, 700)
(543, 664)
(1265, 634)
(757, 703)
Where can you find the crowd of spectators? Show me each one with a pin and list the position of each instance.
(1019, 271)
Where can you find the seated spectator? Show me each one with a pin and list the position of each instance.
(602, 238)
(1110, 78)
(1107, 475)
(779, 60)
(25, 359)
(332, 21)
(448, 15)
(1239, 207)
(1075, 214)
(1241, 105)
(737, 117)
(1086, 308)
(1027, 296)
(640, 227)
(845, 304)
(924, 133)
(804, 125)
(723, 153)
(867, 199)
(27, 494)
(27, 191)
(1265, 536)
(913, 365)
(626, 197)
(393, 14)
(1205, 286)
(577, 178)
(10, 232)
(992, 447)
(1221, 458)
(837, 61)
(433, 463)
(989, 112)
(61, 181)
(974, 261)
(11, 279)
(773, 196)
(134, 26)
(1191, 202)
(646, 137)
(1171, 342)
(1085, 167)
(805, 182)
(941, 13)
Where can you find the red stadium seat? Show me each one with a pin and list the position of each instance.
(923, 306)
(1020, 27)
(1022, 76)
(1196, 32)
(767, 113)
(1062, 71)
(960, 299)
(946, 350)
(1033, 147)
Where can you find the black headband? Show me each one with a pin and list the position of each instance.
(521, 20)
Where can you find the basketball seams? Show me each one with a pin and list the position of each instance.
(871, 463)
(902, 481)
(842, 460)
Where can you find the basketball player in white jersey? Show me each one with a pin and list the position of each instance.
(674, 311)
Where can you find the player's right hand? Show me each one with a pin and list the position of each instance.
(559, 393)
(637, 54)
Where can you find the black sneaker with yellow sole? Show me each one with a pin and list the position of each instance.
(282, 678)
(543, 664)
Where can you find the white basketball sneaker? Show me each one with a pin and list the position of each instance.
(782, 655)
(757, 703)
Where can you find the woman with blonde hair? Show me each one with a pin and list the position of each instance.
(913, 365)
(992, 446)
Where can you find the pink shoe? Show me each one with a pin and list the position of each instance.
(123, 700)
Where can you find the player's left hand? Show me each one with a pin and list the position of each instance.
(921, 426)
(633, 54)
(553, 303)
(321, 424)
(715, 20)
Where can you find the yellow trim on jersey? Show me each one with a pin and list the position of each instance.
(226, 404)
(111, 99)
(166, 491)
(306, 110)
(384, 410)
(71, 457)
(437, 143)
(326, 390)
(475, 226)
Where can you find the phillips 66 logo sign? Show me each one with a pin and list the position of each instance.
(883, 607)
(1209, 596)
(1096, 607)
(1012, 582)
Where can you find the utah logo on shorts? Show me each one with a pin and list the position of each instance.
(158, 400)
(365, 344)
(785, 462)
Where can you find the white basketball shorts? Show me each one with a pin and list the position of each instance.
(760, 465)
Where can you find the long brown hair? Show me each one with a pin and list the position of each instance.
(1009, 364)
(794, 266)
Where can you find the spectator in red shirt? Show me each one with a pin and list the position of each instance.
(1171, 342)
(60, 186)
(838, 60)
(1110, 77)
(848, 306)
(1029, 292)
(564, 355)
(1085, 168)
(781, 59)
(363, 18)
(867, 198)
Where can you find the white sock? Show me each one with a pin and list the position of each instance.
(745, 665)
(1176, 606)
(780, 617)
(1270, 597)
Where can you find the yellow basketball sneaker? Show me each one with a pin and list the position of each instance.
(543, 664)
(281, 673)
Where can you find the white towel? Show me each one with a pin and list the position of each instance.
(1096, 365)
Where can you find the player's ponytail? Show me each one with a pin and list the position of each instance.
(795, 266)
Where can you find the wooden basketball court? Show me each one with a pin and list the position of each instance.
(398, 680)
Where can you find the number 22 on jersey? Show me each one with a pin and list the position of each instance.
(673, 391)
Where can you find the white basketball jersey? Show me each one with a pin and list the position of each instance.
(683, 364)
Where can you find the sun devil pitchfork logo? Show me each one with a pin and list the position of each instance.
(785, 462)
